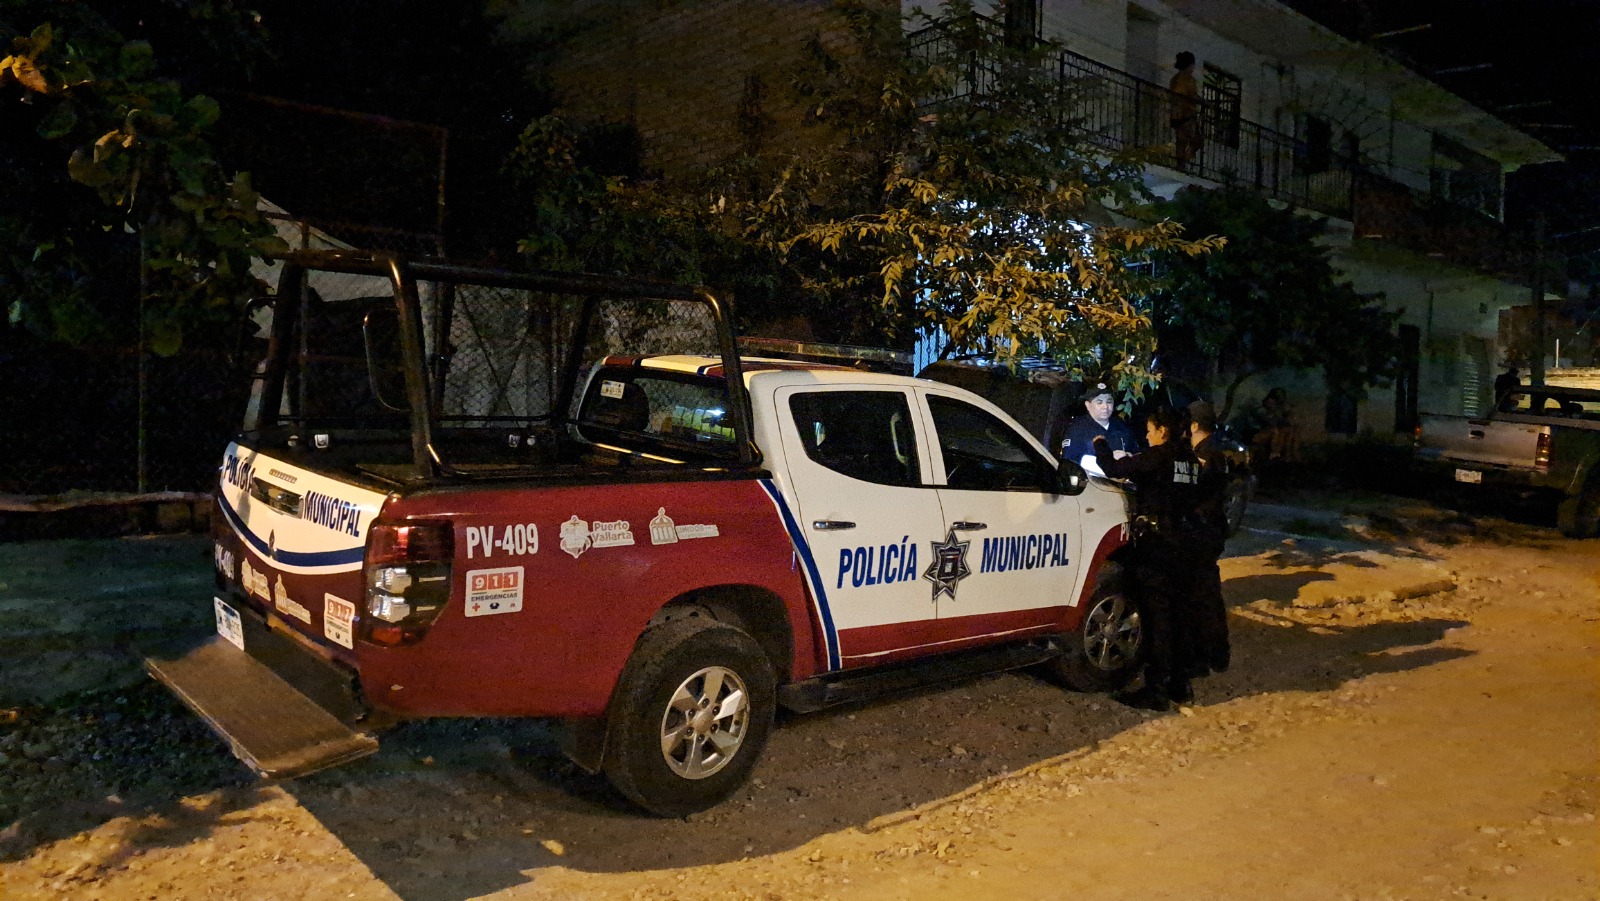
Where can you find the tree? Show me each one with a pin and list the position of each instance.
(1268, 299)
(975, 226)
(961, 221)
(104, 153)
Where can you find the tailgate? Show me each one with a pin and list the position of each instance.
(282, 709)
(301, 536)
(1485, 442)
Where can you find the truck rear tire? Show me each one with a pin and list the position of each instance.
(1104, 652)
(690, 716)
(1579, 516)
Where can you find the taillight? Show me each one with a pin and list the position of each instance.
(407, 576)
(1416, 435)
(1541, 451)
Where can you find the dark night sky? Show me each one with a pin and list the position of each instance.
(1533, 63)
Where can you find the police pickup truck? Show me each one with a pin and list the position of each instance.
(471, 493)
(1541, 441)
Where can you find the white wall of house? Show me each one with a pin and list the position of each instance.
(1455, 310)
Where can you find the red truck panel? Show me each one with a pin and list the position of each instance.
(577, 573)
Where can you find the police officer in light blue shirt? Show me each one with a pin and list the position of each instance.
(1100, 403)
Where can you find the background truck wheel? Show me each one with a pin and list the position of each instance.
(1103, 653)
(691, 714)
(1579, 516)
(1237, 499)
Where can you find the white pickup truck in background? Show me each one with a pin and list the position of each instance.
(1540, 442)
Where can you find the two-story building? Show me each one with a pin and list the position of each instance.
(1408, 176)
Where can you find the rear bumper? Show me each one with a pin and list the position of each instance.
(1483, 477)
(282, 709)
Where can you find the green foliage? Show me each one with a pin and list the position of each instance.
(902, 215)
(115, 154)
(978, 232)
(686, 230)
(1270, 298)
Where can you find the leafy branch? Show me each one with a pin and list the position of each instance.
(139, 144)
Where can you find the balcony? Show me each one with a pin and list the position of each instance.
(1425, 224)
(1118, 112)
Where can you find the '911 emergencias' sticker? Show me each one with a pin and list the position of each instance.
(491, 591)
(338, 615)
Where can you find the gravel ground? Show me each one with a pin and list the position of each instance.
(122, 794)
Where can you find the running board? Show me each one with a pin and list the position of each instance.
(273, 727)
(841, 688)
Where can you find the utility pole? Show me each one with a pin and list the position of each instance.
(1536, 365)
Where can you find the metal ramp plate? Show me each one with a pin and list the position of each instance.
(271, 726)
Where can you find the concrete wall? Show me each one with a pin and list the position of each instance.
(1457, 314)
(680, 71)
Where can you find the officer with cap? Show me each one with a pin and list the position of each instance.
(1100, 403)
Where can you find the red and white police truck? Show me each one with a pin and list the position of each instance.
(460, 492)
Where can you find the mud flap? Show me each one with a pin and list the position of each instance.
(271, 725)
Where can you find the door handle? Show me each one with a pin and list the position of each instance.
(832, 525)
(280, 499)
(962, 525)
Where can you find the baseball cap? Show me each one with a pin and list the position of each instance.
(1094, 389)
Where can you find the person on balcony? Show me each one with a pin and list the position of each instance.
(1185, 115)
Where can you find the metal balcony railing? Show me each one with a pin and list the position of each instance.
(1117, 111)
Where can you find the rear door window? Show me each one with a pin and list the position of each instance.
(865, 435)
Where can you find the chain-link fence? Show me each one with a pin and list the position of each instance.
(498, 350)
(72, 417)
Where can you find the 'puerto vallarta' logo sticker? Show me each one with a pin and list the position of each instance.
(578, 536)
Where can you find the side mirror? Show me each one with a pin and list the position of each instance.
(255, 322)
(1071, 478)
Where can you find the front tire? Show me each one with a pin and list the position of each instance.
(691, 714)
(1106, 648)
(1579, 516)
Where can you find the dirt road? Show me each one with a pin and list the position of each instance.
(1365, 745)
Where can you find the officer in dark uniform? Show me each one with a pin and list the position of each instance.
(1210, 626)
(1099, 420)
(1163, 558)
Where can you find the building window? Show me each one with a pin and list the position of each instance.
(1321, 147)
(1465, 178)
(1221, 96)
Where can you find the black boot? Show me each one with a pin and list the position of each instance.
(1181, 691)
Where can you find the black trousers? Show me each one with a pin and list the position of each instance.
(1208, 619)
(1162, 571)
